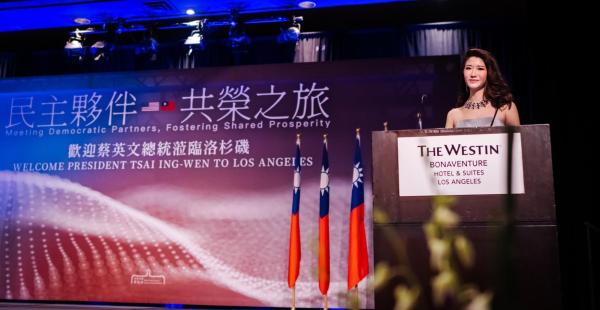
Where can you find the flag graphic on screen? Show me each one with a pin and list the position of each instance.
(324, 222)
(153, 106)
(163, 106)
(294, 253)
(358, 259)
(167, 106)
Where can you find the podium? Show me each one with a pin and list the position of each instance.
(410, 167)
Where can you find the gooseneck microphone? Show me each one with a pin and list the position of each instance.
(420, 111)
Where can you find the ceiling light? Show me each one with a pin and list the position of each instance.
(307, 4)
(82, 21)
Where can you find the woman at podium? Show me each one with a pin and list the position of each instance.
(484, 97)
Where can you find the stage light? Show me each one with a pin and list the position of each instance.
(288, 35)
(190, 12)
(152, 48)
(194, 38)
(292, 33)
(195, 41)
(74, 46)
(73, 43)
(149, 47)
(98, 50)
(122, 28)
(237, 35)
(239, 40)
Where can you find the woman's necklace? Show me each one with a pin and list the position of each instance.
(476, 105)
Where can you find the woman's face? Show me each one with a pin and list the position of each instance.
(475, 73)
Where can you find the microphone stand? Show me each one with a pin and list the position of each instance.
(420, 111)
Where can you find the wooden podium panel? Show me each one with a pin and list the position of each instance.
(536, 269)
(533, 268)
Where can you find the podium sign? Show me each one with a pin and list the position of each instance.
(403, 180)
(459, 165)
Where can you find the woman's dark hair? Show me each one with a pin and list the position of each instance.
(496, 89)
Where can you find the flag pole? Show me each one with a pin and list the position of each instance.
(323, 271)
(294, 253)
(357, 255)
(356, 296)
(356, 286)
(294, 298)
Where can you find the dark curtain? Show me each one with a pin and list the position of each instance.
(313, 47)
(440, 39)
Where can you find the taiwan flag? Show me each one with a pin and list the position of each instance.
(167, 106)
(358, 256)
(324, 222)
(294, 253)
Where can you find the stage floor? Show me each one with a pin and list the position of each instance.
(4, 305)
(42, 306)
(59, 306)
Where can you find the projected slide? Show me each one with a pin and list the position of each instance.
(176, 186)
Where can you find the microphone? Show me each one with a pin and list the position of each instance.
(420, 111)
